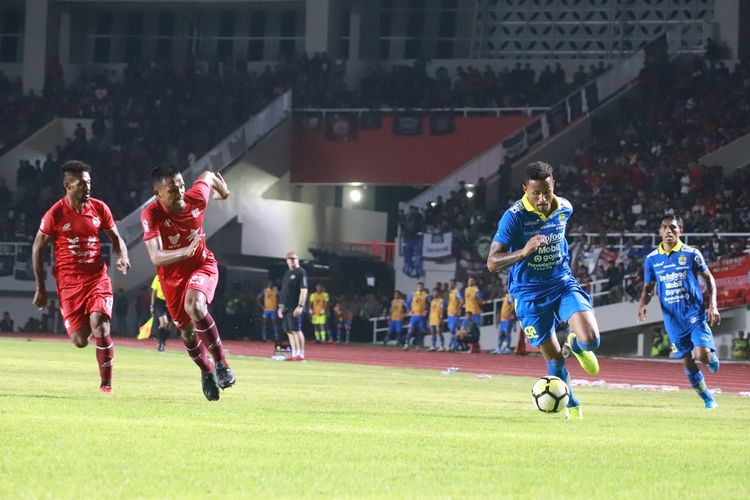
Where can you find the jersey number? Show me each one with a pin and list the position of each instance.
(530, 332)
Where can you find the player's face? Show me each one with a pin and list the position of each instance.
(292, 261)
(669, 231)
(539, 193)
(78, 187)
(472, 282)
(171, 192)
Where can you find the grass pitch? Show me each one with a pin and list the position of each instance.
(333, 430)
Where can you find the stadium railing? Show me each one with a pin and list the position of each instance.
(464, 112)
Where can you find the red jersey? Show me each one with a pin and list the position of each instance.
(78, 250)
(175, 230)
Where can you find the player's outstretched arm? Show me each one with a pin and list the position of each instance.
(121, 250)
(714, 318)
(161, 257)
(646, 294)
(499, 257)
(37, 261)
(217, 184)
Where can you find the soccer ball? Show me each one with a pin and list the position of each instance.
(550, 394)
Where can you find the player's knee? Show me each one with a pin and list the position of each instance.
(702, 355)
(80, 341)
(591, 345)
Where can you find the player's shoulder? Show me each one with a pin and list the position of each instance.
(151, 209)
(689, 249)
(98, 204)
(57, 208)
(516, 208)
(653, 253)
(564, 203)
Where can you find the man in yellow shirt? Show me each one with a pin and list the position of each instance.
(507, 320)
(417, 304)
(455, 303)
(472, 297)
(268, 300)
(396, 322)
(319, 305)
(437, 308)
(160, 314)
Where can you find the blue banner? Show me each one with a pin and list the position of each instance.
(412, 252)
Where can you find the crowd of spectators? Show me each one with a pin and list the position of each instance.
(156, 113)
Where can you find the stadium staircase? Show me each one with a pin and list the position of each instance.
(255, 160)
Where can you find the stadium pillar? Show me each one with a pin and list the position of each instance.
(355, 24)
(727, 16)
(317, 25)
(35, 45)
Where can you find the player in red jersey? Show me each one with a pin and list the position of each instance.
(187, 269)
(83, 286)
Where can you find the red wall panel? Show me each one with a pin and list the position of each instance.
(382, 157)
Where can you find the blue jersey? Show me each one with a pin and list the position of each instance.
(676, 277)
(547, 271)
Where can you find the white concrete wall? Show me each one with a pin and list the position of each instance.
(731, 157)
(39, 145)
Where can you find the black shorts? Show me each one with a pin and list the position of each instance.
(289, 323)
(160, 308)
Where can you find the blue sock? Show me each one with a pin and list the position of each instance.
(434, 341)
(557, 368)
(697, 382)
(578, 347)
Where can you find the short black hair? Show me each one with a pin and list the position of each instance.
(538, 171)
(161, 172)
(675, 218)
(74, 167)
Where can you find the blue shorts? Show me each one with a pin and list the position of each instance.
(699, 334)
(539, 318)
(269, 314)
(477, 319)
(452, 324)
(395, 325)
(505, 325)
(418, 322)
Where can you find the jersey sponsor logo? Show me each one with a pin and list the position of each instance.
(167, 223)
(96, 221)
(197, 279)
(562, 217)
(682, 260)
(293, 276)
(173, 239)
(195, 212)
(66, 226)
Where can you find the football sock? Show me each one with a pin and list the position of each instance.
(442, 341)
(557, 368)
(209, 334)
(162, 335)
(105, 353)
(197, 353)
(697, 382)
(578, 347)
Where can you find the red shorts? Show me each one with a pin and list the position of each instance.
(79, 300)
(204, 279)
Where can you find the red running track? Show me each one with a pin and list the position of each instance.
(733, 376)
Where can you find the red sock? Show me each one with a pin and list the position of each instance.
(208, 332)
(105, 353)
(197, 353)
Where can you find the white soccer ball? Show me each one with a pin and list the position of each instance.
(550, 394)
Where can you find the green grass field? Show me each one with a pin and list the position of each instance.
(334, 430)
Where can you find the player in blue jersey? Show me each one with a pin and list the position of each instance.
(530, 240)
(673, 270)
